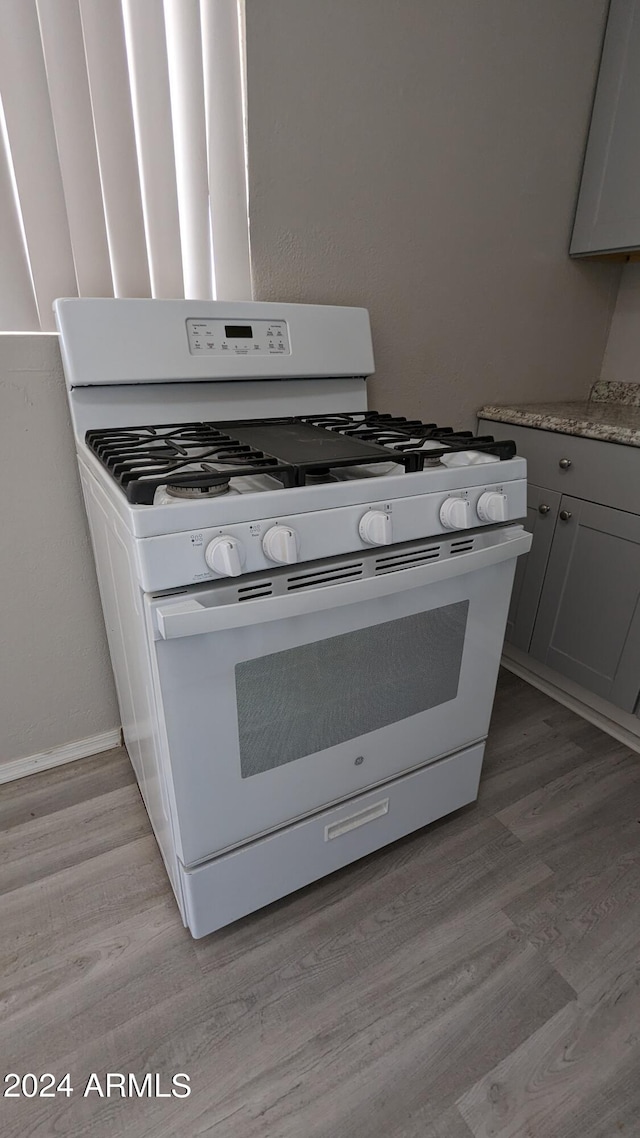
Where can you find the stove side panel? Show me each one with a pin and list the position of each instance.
(125, 624)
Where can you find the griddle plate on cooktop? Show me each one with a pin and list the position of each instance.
(303, 444)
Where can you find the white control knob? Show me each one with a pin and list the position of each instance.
(455, 513)
(375, 528)
(280, 544)
(225, 555)
(492, 507)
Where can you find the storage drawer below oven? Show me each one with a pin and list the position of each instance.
(237, 883)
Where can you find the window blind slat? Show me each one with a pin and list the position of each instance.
(17, 302)
(225, 145)
(122, 153)
(147, 51)
(104, 41)
(186, 80)
(63, 46)
(27, 110)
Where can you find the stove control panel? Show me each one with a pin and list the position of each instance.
(238, 337)
(246, 546)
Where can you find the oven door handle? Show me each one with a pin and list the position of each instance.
(191, 618)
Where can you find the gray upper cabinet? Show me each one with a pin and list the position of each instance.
(608, 212)
(542, 511)
(588, 621)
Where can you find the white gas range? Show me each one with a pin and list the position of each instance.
(305, 601)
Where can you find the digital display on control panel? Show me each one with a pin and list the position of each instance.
(212, 336)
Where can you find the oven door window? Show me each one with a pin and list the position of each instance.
(312, 697)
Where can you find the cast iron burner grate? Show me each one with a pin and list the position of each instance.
(295, 450)
(421, 442)
(184, 455)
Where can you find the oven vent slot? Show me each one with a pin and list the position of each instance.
(406, 560)
(463, 546)
(259, 589)
(324, 576)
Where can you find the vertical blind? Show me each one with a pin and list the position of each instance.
(122, 153)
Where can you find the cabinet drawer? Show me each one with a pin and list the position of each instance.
(606, 473)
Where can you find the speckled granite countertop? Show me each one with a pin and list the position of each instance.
(611, 414)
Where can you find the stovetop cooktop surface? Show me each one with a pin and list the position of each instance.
(197, 460)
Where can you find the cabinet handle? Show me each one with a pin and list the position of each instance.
(564, 463)
(564, 515)
(544, 508)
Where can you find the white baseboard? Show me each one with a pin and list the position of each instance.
(67, 753)
(591, 714)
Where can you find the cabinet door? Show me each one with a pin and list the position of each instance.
(588, 623)
(608, 211)
(542, 511)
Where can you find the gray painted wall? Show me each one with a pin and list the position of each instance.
(622, 356)
(56, 683)
(422, 159)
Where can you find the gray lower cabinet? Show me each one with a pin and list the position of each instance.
(587, 625)
(542, 511)
(575, 605)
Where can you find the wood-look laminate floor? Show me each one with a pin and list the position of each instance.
(479, 978)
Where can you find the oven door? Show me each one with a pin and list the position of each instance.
(276, 707)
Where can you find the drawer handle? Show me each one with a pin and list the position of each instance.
(337, 829)
(564, 515)
(544, 508)
(564, 463)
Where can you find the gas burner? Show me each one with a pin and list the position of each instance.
(213, 490)
(319, 476)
